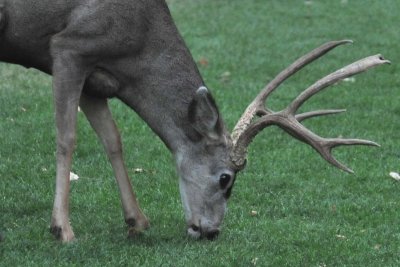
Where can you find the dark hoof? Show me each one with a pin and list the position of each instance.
(131, 222)
(56, 231)
(65, 235)
(136, 228)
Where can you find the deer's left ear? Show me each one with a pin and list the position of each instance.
(204, 115)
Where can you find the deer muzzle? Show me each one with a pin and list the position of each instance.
(203, 231)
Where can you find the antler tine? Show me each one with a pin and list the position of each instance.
(349, 70)
(291, 125)
(290, 122)
(257, 106)
(298, 65)
(328, 144)
(306, 115)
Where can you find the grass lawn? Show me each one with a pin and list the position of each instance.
(308, 213)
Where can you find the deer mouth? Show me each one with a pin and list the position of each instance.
(196, 232)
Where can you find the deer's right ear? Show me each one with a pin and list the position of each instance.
(204, 115)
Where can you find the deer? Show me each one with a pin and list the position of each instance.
(132, 50)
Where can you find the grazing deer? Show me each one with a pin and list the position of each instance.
(131, 50)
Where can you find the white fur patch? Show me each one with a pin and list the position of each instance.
(193, 233)
(185, 202)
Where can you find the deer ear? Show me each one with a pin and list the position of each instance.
(204, 115)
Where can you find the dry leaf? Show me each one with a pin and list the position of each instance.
(377, 246)
(395, 175)
(341, 236)
(253, 213)
(349, 80)
(138, 170)
(73, 176)
(225, 76)
(203, 62)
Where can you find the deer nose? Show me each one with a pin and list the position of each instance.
(212, 235)
(196, 232)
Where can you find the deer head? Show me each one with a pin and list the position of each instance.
(208, 171)
(205, 169)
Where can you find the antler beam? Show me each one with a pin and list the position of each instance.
(247, 128)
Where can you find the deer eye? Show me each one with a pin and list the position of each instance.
(224, 180)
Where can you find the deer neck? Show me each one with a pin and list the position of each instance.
(163, 83)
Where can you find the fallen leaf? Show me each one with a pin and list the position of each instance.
(138, 170)
(73, 176)
(253, 213)
(349, 80)
(341, 236)
(225, 76)
(203, 62)
(395, 175)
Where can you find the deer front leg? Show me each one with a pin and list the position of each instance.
(100, 118)
(68, 80)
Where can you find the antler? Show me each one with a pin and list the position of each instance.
(287, 119)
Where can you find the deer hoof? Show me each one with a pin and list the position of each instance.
(136, 227)
(64, 234)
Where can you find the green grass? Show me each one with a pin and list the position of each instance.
(309, 213)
